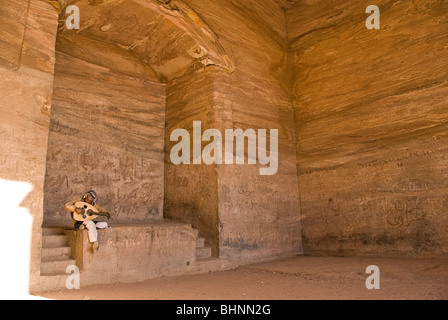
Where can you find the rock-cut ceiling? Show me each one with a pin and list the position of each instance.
(166, 37)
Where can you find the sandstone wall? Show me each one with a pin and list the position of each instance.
(191, 194)
(107, 132)
(259, 216)
(27, 37)
(371, 126)
(125, 111)
(362, 147)
(134, 253)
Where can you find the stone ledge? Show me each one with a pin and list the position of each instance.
(130, 253)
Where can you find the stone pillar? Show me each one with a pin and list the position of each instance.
(244, 216)
(259, 215)
(27, 43)
(191, 189)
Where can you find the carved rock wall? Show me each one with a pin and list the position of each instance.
(27, 39)
(118, 149)
(259, 216)
(135, 253)
(371, 126)
(107, 132)
(191, 194)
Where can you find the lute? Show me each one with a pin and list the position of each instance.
(89, 212)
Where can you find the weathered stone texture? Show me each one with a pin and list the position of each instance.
(191, 189)
(12, 24)
(371, 128)
(361, 116)
(27, 40)
(253, 208)
(99, 73)
(132, 253)
(107, 132)
(229, 203)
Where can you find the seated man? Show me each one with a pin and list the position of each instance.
(91, 225)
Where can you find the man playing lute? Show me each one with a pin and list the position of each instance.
(84, 211)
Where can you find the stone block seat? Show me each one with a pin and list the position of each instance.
(127, 253)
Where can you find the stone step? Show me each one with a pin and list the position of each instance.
(52, 231)
(56, 253)
(56, 267)
(54, 240)
(51, 282)
(203, 252)
(209, 264)
(200, 242)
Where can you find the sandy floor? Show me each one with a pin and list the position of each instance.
(298, 278)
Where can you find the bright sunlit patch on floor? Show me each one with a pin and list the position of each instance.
(15, 240)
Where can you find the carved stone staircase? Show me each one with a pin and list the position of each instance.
(55, 258)
(56, 254)
(202, 251)
(204, 258)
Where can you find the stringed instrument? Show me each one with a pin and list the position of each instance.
(88, 212)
